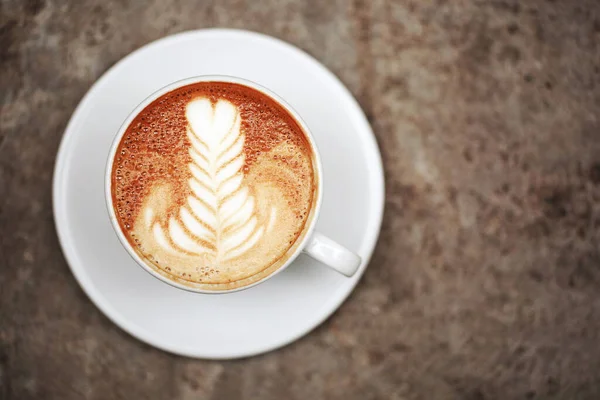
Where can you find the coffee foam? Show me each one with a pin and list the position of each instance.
(213, 184)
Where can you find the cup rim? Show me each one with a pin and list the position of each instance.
(308, 231)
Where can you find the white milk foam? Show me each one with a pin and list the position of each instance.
(219, 217)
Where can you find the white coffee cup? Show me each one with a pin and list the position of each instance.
(316, 245)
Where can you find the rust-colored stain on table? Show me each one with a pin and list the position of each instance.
(485, 283)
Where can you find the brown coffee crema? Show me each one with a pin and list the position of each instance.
(213, 185)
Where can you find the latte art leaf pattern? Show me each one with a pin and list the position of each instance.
(219, 217)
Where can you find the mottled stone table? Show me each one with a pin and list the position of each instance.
(486, 281)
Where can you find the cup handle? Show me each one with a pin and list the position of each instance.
(332, 254)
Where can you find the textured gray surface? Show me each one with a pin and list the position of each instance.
(486, 281)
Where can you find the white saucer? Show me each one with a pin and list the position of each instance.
(252, 321)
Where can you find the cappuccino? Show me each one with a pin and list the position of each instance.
(214, 184)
